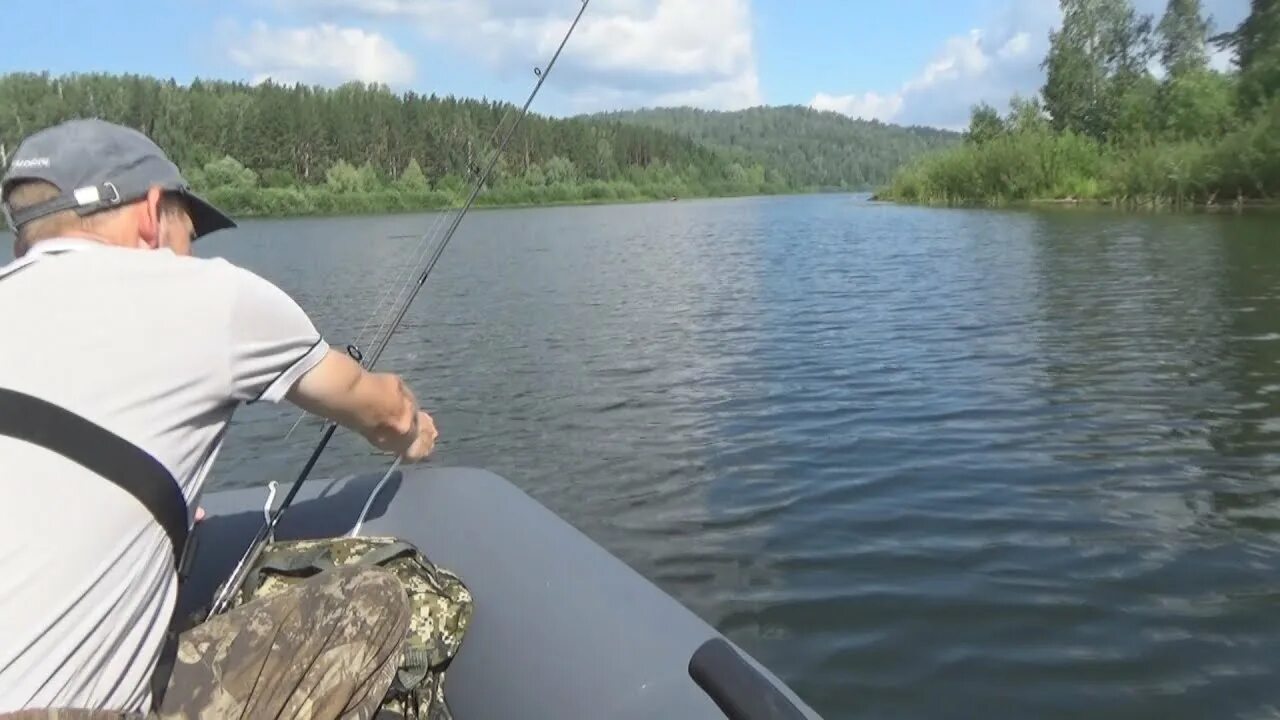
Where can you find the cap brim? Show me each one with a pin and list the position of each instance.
(205, 217)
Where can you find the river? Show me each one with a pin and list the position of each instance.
(923, 463)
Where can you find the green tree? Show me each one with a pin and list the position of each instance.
(1183, 33)
(1117, 133)
(310, 149)
(1073, 87)
(808, 148)
(344, 177)
(985, 125)
(1256, 43)
(736, 174)
(1197, 104)
(413, 179)
(1102, 47)
(558, 169)
(228, 172)
(1026, 115)
(452, 184)
(277, 178)
(534, 176)
(1135, 120)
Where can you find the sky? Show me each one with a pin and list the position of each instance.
(911, 62)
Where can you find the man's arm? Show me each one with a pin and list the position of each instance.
(377, 405)
(275, 352)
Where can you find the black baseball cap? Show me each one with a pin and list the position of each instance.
(97, 165)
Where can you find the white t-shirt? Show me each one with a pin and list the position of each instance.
(158, 349)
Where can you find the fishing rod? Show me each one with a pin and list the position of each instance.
(228, 590)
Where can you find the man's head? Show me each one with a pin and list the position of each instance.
(89, 178)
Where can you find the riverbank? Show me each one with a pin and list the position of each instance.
(1035, 164)
(1121, 205)
(1111, 126)
(258, 202)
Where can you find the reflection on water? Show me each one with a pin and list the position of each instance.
(924, 463)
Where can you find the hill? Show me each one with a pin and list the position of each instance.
(272, 149)
(805, 147)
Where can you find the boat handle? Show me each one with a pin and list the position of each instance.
(737, 687)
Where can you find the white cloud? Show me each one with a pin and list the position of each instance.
(868, 106)
(739, 91)
(982, 65)
(1016, 46)
(625, 52)
(319, 54)
(990, 64)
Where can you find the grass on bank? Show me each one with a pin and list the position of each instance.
(1035, 163)
(348, 190)
(1131, 112)
(320, 200)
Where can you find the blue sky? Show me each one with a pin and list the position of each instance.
(903, 61)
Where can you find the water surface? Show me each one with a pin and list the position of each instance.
(923, 463)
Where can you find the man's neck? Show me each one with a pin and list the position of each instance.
(79, 235)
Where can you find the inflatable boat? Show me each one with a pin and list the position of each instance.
(562, 629)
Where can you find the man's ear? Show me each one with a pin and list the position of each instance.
(149, 218)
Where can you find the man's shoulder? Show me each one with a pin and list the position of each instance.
(96, 253)
(239, 286)
(62, 259)
(214, 269)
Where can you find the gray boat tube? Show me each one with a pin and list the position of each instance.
(562, 629)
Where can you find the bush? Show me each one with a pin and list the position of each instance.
(344, 178)
(1196, 160)
(1009, 167)
(277, 178)
(1197, 105)
(228, 172)
(599, 190)
(412, 180)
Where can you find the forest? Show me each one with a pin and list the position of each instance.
(1130, 113)
(808, 148)
(270, 149)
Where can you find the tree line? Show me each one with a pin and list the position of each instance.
(1104, 126)
(293, 149)
(807, 148)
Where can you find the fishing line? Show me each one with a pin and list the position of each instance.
(355, 529)
(431, 232)
(399, 280)
(228, 590)
(491, 162)
(404, 280)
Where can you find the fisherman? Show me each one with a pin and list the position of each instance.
(124, 359)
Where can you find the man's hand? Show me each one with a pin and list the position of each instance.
(426, 440)
(377, 405)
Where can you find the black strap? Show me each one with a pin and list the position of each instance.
(108, 196)
(101, 451)
(131, 468)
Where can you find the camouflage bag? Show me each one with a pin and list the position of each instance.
(441, 607)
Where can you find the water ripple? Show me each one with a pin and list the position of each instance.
(924, 463)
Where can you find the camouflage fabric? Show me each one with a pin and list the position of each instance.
(324, 648)
(440, 607)
(67, 714)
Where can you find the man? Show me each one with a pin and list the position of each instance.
(124, 361)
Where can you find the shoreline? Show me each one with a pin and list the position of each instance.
(1157, 205)
(584, 202)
